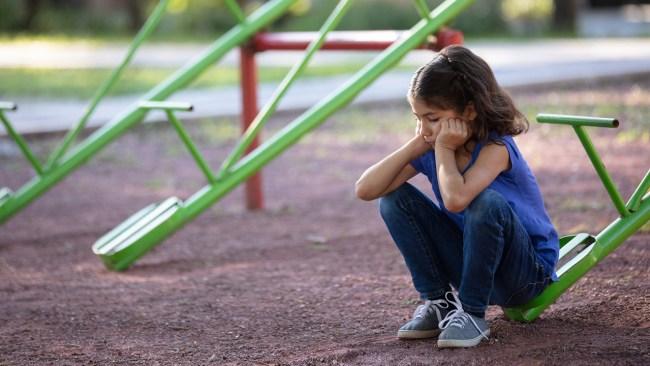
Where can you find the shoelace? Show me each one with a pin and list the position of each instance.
(429, 307)
(457, 317)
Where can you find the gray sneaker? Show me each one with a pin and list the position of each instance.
(425, 320)
(461, 329)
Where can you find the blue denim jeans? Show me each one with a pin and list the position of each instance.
(491, 261)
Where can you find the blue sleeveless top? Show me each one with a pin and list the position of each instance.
(519, 187)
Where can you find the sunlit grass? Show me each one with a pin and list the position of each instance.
(82, 83)
(59, 39)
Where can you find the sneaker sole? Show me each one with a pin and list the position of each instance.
(417, 334)
(461, 343)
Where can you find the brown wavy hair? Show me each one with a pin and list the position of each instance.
(457, 77)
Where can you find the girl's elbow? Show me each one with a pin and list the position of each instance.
(362, 192)
(455, 204)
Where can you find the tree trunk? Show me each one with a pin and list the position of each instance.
(31, 10)
(135, 10)
(564, 16)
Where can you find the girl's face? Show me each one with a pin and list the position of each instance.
(428, 118)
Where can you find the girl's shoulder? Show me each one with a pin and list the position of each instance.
(508, 143)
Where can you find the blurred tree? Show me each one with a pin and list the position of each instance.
(482, 18)
(205, 19)
(527, 17)
(136, 17)
(564, 15)
(31, 10)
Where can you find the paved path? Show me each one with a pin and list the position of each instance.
(514, 63)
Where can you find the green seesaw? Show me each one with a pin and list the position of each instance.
(122, 246)
(579, 253)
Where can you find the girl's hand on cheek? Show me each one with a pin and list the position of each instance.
(454, 133)
(418, 142)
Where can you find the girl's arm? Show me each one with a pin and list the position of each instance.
(392, 171)
(457, 190)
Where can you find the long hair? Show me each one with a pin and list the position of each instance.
(457, 77)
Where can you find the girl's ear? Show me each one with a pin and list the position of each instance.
(469, 114)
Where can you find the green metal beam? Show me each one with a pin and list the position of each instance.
(143, 34)
(422, 8)
(637, 196)
(22, 144)
(239, 34)
(185, 137)
(609, 184)
(236, 10)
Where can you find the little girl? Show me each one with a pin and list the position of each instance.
(489, 235)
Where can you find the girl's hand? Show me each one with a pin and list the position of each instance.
(454, 133)
(418, 142)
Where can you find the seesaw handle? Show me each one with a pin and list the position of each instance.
(577, 120)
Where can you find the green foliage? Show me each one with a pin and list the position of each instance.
(197, 17)
(527, 9)
(63, 17)
(363, 14)
(201, 19)
(482, 18)
(11, 11)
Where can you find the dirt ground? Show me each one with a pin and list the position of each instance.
(313, 279)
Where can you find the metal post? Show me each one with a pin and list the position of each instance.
(609, 184)
(22, 144)
(248, 74)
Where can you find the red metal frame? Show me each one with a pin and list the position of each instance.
(248, 73)
(338, 41)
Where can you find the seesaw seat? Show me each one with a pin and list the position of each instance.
(134, 237)
(5, 194)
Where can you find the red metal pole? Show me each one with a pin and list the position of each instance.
(350, 40)
(248, 77)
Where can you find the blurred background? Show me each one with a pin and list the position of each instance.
(55, 53)
(192, 19)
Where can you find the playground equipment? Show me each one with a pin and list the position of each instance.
(579, 253)
(127, 242)
(336, 41)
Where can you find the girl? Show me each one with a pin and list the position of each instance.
(489, 236)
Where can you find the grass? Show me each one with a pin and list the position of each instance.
(82, 83)
(105, 38)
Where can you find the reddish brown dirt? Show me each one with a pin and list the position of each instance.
(312, 280)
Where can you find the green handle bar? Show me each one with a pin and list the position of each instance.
(562, 119)
(170, 106)
(8, 106)
(577, 122)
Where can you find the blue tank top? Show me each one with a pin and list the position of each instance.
(519, 187)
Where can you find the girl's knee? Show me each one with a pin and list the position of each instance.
(486, 205)
(395, 200)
